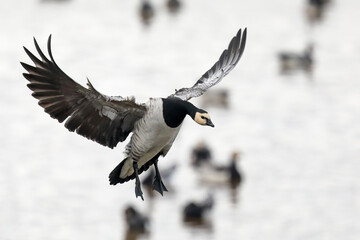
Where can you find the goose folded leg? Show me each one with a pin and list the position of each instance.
(138, 191)
(158, 184)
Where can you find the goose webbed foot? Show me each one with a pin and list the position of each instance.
(158, 184)
(138, 191)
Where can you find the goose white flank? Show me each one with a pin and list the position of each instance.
(109, 120)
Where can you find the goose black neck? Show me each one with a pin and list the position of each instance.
(175, 110)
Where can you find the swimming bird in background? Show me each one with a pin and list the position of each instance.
(290, 61)
(195, 211)
(173, 5)
(147, 12)
(109, 120)
(136, 221)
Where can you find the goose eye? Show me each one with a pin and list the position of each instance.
(202, 117)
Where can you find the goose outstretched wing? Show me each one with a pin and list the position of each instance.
(227, 61)
(106, 120)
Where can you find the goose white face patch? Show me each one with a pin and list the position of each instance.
(200, 118)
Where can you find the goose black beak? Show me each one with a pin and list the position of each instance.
(209, 123)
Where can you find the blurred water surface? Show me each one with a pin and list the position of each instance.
(300, 137)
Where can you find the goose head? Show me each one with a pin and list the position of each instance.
(175, 110)
(200, 116)
(203, 118)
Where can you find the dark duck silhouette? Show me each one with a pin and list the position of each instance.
(234, 172)
(147, 12)
(291, 61)
(109, 120)
(137, 224)
(201, 155)
(173, 5)
(315, 9)
(136, 221)
(232, 169)
(195, 211)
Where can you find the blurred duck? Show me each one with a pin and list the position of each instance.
(200, 155)
(137, 224)
(147, 12)
(216, 98)
(222, 175)
(290, 62)
(173, 5)
(136, 221)
(109, 120)
(195, 212)
(315, 9)
(235, 175)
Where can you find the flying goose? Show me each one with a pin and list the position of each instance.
(109, 120)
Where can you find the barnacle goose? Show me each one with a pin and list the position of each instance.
(109, 120)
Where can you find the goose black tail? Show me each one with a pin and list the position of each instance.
(114, 176)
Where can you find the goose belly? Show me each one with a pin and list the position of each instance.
(151, 136)
(158, 138)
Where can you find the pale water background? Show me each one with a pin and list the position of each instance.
(300, 138)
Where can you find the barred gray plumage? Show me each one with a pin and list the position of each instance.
(227, 61)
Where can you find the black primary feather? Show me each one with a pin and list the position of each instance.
(106, 120)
